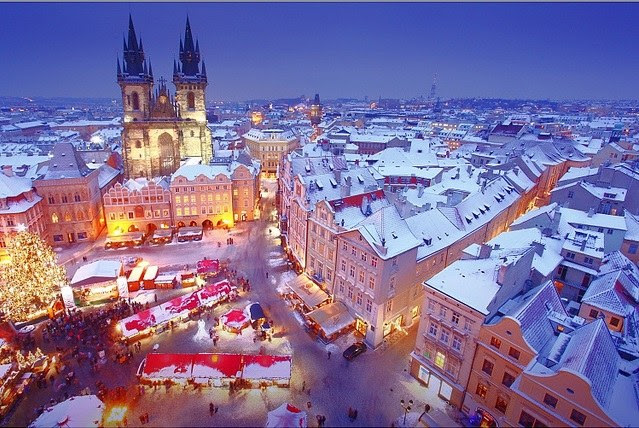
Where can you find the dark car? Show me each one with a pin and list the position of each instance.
(354, 350)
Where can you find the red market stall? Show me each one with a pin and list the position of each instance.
(149, 277)
(147, 321)
(264, 370)
(216, 369)
(208, 267)
(135, 278)
(235, 321)
(163, 367)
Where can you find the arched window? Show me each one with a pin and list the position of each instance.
(54, 218)
(136, 101)
(76, 197)
(190, 99)
(138, 144)
(67, 217)
(138, 212)
(192, 134)
(80, 215)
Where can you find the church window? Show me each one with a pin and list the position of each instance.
(76, 197)
(136, 101)
(190, 97)
(138, 144)
(67, 217)
(54, 218)
(192, 134)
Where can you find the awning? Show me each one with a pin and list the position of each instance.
(267, 367)
(162, 233)
(214, 366)
(168, 366)
(308, 291)
(332, 317)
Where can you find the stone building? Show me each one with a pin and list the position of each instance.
(161, 129)
(20, 208)
(72, 196)
(138, 205)
(269, 146)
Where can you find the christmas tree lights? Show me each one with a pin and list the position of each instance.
(32, 277)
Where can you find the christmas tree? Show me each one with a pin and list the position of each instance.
(32, 277)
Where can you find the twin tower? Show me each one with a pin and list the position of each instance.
(161, 129)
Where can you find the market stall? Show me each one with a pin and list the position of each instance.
(162, 236)
(216, 369)
(208, 267)
(135, 278)
(329, 321)
(96, 281)
(148, 281)
(147, 321)
(235, 321)
(255, 314)
(80, 411)
(305, 294)
(166, 280)
(266, 370)
(286, 416)
(163, 367)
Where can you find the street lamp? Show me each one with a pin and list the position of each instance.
(406, 408)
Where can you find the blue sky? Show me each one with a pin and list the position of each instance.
(264, 50)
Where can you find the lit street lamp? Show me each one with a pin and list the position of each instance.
(406, 408)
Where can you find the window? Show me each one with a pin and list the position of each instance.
(593, 313)
(389, 306)
(571, 194)
(501, 404)
(350, 293)
(112, 216)
(364, 256)
(578, 417)
(550, 400)
(455, 318)
(343, 265)
(358, 299)
(136, 101)
(444, 336)
(54, 218)
(481, 390)
(442, 311)
(432, 330)
(632, 249)
(353, 251)
(82, 235)
(352, 271)
(570, 255)
(487, 367)
(371, 282)
(614, 321)
(514, 353)
(440, 360)
(344, 246)
(526, 420)
(52, 201)
(391, 285)
(494, 342)
(467, 324)
(457, 343)
(508, 379)
(64, 199)
(374, 261)
(190, 99)
(431, 305)
(361, 276)
(76, 197)
(588, 260)
(369, 305)
(130, 214)
(610, 231)
(58, 238)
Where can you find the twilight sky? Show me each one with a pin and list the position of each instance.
(264, 50)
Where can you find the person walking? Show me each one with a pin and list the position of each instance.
(303, 385)
(211, 408)
(329, 355)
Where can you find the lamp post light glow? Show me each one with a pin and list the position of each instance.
(406, 408)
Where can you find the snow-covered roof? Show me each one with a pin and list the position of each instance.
(387, 233)
(13, 186)
(95, 272)
(79, 411)
(632, 223)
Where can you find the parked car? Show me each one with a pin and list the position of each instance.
(354, 350)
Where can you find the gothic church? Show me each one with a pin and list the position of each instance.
(161, 129)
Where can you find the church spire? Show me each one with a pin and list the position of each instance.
(174, 67)
(119, 69)
(133, 43)
(203, 69)
(189, 53)
(150, 68)
(133, 64)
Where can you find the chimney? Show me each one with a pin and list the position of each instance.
(420, 190)
(338, 174)
(501, 274)
(516, 170)
(7, 170)
(484, 251)
(554, 225)
(345, 188)
(591, 212)
(539, 248)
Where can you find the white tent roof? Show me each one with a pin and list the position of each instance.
(80, 411)
(287, 416)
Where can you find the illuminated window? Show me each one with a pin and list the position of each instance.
(487, 367)
(514, 353)
(67, 217)
(481, 390)
(496, 343)
(501, 404)
(54, 218)
(440, 360)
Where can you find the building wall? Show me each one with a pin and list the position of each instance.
(270, 152)
(145, 210)
(630, 249)
(31, 218)
(447, 358)
(391, 301)
(202, 202)
(322, 251)
(142, 152)
(72, 208)
(246, 192)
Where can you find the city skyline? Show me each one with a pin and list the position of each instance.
(252, 51)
